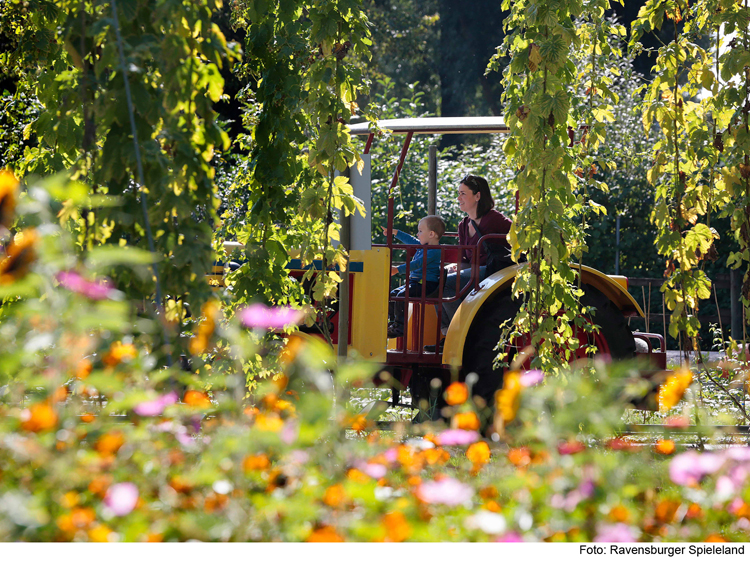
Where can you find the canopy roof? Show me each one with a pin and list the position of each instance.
(436, 125)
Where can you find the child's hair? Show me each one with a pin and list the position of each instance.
(435, 223)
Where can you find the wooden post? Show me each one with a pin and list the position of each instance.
(432, 182)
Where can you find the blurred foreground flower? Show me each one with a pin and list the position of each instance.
(119, 352)
(75, 282)
(456, 394)
(456, 437)
(446, 491)
(38, 417)
(617, 533)
(206, 327)
(18, 257)
(689, 468)
(121, 498)
(671, 391)
(8, 189)
(508, 399)
(155, 407)
(263, 317)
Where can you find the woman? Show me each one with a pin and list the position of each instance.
(475, 199)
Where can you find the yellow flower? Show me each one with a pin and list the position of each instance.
(8, 188)
(101, 534)
(39, 417)
(456, 394)
(119, 352)
(671, 391)
(479, 453)
(269, 422)
(18, 257)
(508, 399)
(205, 330)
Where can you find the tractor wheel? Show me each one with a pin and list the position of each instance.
(614, 337)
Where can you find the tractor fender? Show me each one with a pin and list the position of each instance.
(469, 309)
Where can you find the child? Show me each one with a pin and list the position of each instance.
(430, 230)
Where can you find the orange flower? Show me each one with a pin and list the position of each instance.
(82, 517)
(357, 476)
(250, 411)
(269, 422)
(665, 447)
(18, 256)
(155, 537)
(671, 391)
(87, 417)
(180, 485)
(508, 399)
(666, 510)
(99, 485)
(619, 514)
(435, 456)
(715, 538)
(280, 381)
(358, 423)
(215, 502)
(205, 330)
(84, 368)
(694, 511)
(620, 443)
(8, 189)
(109, 443)
(492, 506)
(334, 496)
(488, 493)
(119, 352)
(324, 534)
(520, 456)
(479, 453)
(197, 399)
(465, 421)
(289, 353)
(59, 394)
(411, 461)
(101, 534)
(397, 529)
(456, 394)
(38, 417)
(255, 462)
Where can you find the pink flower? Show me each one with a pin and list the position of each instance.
(155, 407)
(121, 498)
(510, 537)
(446, 491)
(617, 533)
(263, 317)
(690, 467)
(456, 437)
(74, 282)
(531, 378)
(739, 454)
(375, 471)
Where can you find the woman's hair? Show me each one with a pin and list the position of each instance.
(479, 184)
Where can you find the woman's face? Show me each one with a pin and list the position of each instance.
(467, 200)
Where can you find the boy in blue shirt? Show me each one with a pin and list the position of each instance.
(429, 232)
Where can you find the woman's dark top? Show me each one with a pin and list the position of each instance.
(493, 222)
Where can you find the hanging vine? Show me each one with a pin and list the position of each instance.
(541, 112)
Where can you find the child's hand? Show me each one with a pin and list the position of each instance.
(394, 270)
(385, 231)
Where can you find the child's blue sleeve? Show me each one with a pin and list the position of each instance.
(406, 238)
